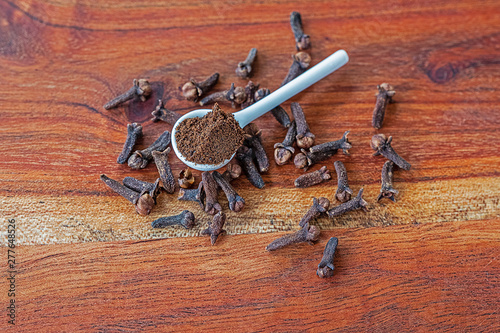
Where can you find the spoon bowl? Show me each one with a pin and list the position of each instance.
(254, 111)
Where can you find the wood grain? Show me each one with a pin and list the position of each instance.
(418, 277)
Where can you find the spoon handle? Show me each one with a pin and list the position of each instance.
(313, 75)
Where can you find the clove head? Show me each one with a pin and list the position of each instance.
(300, 160)
(186, 178)
(378, 141)
(282, 153)
(239, 95)
(144, 204)
(144, 88)
(303, 58)
(191, 92)
(312, 233)
(387, 89)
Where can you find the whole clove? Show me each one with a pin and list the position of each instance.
(143, 202)
(301, 61)
(141, 88)
(308, 233)
(326, 267)
(382, 146)
(343, 143)
(236, 203)
(134, 132)
(343, 193)
(233, 170)
(160, 113)
(140, 158)
(166, 175)
(356, 203)
(250, 90)
(283, 152)
(142, 186)
(186, 178)
(302, 41)
(305, 138)
(320, 206)
(215, 227)
(193, 90)
(253, 140)
(209, 186)
(313, 178)
(245, 156)
(387, 191)
(384, 97)
(278, 112)
(244, 69)
(185, 219)
(305, 159)
(235, 95)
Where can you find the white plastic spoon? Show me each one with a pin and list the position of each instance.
(254, 111)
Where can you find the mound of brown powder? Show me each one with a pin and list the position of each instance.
(211, 139)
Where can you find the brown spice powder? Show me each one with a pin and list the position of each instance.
(211, 139)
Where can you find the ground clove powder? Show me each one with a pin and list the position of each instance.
(211, 139)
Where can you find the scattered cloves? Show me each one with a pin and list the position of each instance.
(387, 191)
(193, 90)
(166, 175)
(382, 145)
(236, 203)
(278, 112)
(140, 88)
(250, 90)
(140, 158)
(253, 140)
(185, 219)
(308, 233)
(186, 178)
(301, 61)
(313, 178)
(283, 152)
(160, 113)
(302, 41)
(343, 143)
(319, 207)
(235, 95)
(305, 138)
(209, 187)
(143, 202)
(244, 69)
(343, 193)
(142, 186)
(384, 97)
(134, 132)
(326, 267)
(245, 157)
(356, 203)
(215, 227)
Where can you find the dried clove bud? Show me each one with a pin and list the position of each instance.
(134, 132)
(319, 207)
(141, 88)
(160, 113)
(356, 203)
(253, 140)
(302, 40)
(140, 186)
(301, 61)
(382, 145)
(233, 170)
(185, 219)
(343, 193)
(387, 191)
(313, 178)
(343, 143)
(236, 203)
(244, 68)
(325, 267)
(215, 227)
(305, 138)
(186, 178)
(308, 234)
(166, 176)
(140, 158)
(209, 187)
(143, 201)
(193, 90)
(234, 95)
(278, 112)
(384, 97)
(306, 159)
(283, 152)
(245, 157)
(250, 90)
